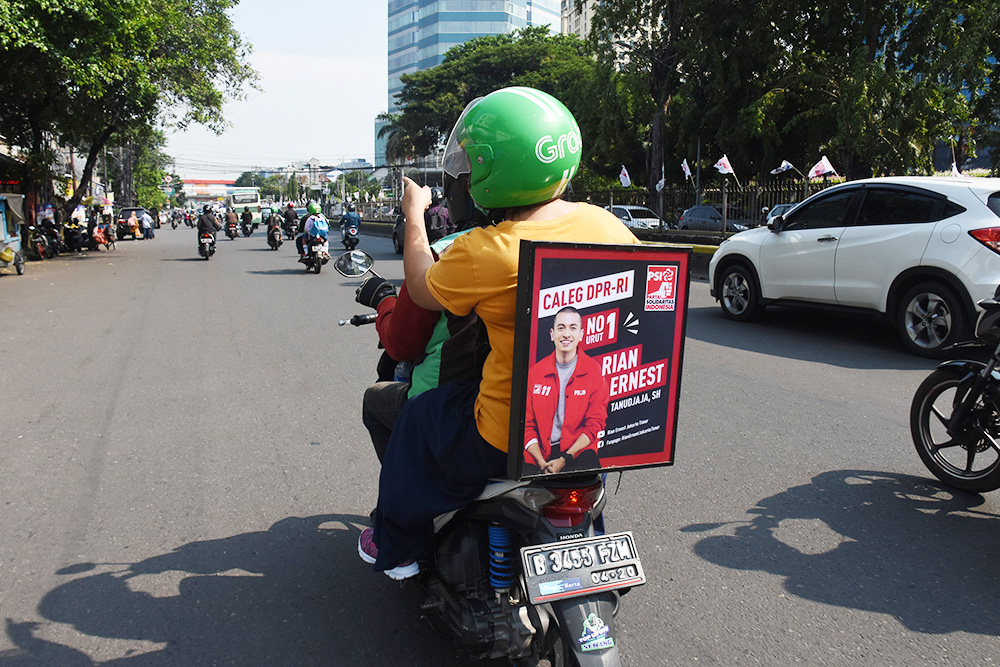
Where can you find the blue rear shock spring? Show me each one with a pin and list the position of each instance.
(501, 560)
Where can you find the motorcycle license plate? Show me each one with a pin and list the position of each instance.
(569, 569)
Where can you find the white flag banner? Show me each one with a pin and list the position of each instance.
(956, 172)
(686, 169)
(785, 166)
(723, 166)
(624, 178)
(821, 168)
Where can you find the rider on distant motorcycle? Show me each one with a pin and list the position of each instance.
(315, 226)
(290, 216)
(246, 218)
(207, 224)
(350, 219)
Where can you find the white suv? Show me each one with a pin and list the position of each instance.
(919, 250)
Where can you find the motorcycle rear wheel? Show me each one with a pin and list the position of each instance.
(969, 462)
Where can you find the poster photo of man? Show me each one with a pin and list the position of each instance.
(567, 403)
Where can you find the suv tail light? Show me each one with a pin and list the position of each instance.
(989, 237)
(571, 505)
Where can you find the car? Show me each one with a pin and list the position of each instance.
(708, 218)
(779, 209)
(637, 217)
(918, 251)
(121, 228)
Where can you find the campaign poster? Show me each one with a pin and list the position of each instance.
(598, 353)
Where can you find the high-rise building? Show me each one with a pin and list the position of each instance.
(576, 20)
(422, 31)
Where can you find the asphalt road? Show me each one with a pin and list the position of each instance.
(184, 473)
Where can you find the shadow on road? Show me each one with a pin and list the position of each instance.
(847, 340)
(830, 540)
(296, 594)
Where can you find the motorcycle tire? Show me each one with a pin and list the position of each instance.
(967, 462)
(318, 265)
(19, 264)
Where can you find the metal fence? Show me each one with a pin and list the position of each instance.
(669, 203)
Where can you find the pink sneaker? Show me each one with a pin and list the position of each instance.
(369, 552)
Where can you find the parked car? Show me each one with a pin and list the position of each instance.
(709, 218)
(637, 217)
(121, 227)
(920, 251)
(779, 209)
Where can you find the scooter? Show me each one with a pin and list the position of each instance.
(247, 229)
(525, 572)
(291, 229)
(349, 237)
(232, 231)
(274, 238)
(206, 246)
(955, 413)
(318, 255)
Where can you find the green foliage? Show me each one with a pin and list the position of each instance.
(874, 86)
(84, 70)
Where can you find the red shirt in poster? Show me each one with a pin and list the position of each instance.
(586, 408)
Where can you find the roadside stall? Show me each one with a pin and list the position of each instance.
(11, 217)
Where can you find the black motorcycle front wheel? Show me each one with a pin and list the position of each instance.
(969, 461)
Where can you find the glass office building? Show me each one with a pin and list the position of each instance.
(421, 31)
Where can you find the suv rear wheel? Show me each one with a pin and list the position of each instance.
(930, 318)
(739, 294)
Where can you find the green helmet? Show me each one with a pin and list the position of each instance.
(520, 146)
(313, 208)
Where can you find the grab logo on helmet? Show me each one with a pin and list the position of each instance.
(548, 150)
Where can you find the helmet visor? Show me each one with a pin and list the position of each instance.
(456, 160)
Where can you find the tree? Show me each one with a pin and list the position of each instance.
(876, 85)
(84, 70)
(654, 33)
(432, 99)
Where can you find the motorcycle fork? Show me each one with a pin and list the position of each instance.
(959, 421)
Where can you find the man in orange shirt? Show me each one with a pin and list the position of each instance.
(517, 148)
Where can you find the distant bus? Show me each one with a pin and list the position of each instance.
(249, 197)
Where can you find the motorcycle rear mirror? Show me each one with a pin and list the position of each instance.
(354, 263)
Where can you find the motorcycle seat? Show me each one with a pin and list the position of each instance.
(494, 488)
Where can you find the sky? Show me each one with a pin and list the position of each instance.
(323, 79)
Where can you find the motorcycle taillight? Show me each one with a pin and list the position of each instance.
(571, 505)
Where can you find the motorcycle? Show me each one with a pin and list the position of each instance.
(274, 238)
(955, 413)
(291, 229)
(53, 238)
(73, 233)
(318, 255)
(247, 229)
(232, 231)
(525, 571)
(38, 244)
(206, 246)
(349, 237)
